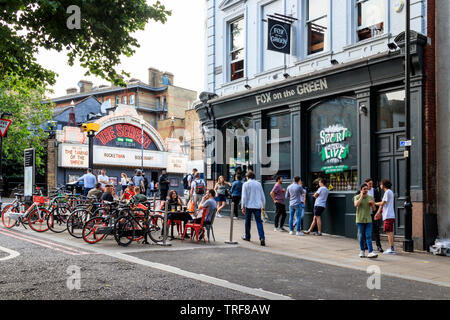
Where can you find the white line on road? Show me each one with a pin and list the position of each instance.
(11, 254)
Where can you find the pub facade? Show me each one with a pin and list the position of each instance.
(344, 122)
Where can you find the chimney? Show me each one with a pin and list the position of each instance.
(169, 77)
(71, 91)
(85, 86)
(154, 78)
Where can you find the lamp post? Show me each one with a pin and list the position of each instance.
(1, 157)
(408, 243)
(91, 128)
(142, 145)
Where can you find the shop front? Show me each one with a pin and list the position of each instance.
(344, 124)
(123, 144)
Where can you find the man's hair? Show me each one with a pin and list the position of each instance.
(386, 183)
(250, 175)
(212, 192)
(137, 189)
(98, 185)
(108, 186)
(368, 180)
(297, 179)
(238, 176)
(89, 170)
(194, 170)
(277, 178)
(364, 185)
(322, 180)
(197, 175)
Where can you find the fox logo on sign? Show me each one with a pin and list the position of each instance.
(4, 125)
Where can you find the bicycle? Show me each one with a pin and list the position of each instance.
(78, 218)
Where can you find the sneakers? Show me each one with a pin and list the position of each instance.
(291, 233)
(372, 255)
(300, 234)
(380, 250)
(318, 234)
(235, 218)
(306, 232)
(218, 215)
(282, 230)
(362, 255)
(389, 251)
(245, 239)
(276, 230)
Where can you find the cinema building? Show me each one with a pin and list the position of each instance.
(336, 94)
(123, 138)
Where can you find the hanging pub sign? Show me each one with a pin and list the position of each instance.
(335, 148)
(124, 135)
(279, 36)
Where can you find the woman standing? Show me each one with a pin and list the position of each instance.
(124, 181)
(363, 202)
(236, 193)
(221, 190)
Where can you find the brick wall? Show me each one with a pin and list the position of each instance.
(51, 164)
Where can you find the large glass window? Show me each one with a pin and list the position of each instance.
(391, 110)
(317, 24)
(237, 43)
(280, 124)
(370, 18)
(238, 147)
(333, 144)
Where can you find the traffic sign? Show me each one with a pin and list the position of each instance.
(4, 125)
(405, 143)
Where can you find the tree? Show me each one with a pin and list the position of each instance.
(104, 34)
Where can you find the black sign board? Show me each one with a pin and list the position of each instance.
(279, 36)
(29, 173)
(29, 157)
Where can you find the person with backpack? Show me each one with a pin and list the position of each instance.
(187, 181)
(138, 180)
(198, 189)
(163, 185)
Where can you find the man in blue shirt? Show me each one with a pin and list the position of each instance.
(236, 193)
(253, 200)
(296, 204)
(89, 181)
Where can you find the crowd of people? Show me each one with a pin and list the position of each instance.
(247, 195)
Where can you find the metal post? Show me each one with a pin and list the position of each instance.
(1, 172)
(91, 135)
(166, 228)
(154, 200)
(231, 226)
(142, 148)
(408, 243)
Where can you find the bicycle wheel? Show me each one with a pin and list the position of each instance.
(37, 220)
(57, 219)
(124, 231)
(76, 222)
(91, 230)
(155, 228)
(7, 221)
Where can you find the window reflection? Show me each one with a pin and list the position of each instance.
(317, 22)
(370, 18)
(391, 110)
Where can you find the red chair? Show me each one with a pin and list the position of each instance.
(178, 223)
(196, 227)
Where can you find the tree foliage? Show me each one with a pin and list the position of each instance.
(105, 34)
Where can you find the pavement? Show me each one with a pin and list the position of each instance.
(340, 251)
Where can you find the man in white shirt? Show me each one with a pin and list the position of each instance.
(387, 209)
(103, 178)
(321, 196)
(252, 201)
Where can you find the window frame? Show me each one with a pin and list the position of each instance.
(132, 97)
(230, 52)
(384, 91)
(358, 28)
(308, 22)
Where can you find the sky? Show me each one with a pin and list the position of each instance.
(178, 46)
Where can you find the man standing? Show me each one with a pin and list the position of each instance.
(376, 195)
(103, 178)
(190, 178)
(236, 193)
(138, 180)
(277, 195)
(146, 189)
(89, 181)
(321, 196)
(163, 185)
(253, 200)
(296, 205)
(198, 189)
(387, 209)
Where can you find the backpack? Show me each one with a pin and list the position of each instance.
(186, 181)
(199, 187)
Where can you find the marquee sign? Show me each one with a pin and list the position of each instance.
(124, 135)
(334, 149)
(279, 37)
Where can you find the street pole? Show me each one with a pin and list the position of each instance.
(91, 135)
(1, 172)
(142, 147)
(408, 243)
(231, 226)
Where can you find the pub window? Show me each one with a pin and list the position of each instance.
(391, 110)
(333, 144)
(317, 24)
(117, 100)
(236, 55)
(282, 123)
(370, 18)
(132, 100)
(124, 99)
(158, 102)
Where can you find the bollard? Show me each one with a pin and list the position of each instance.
(166, 228)
(231, 226)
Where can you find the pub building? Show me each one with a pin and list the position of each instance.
(344, 123)
(118, 148)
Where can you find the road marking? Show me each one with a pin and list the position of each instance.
(158, 248)
(42, 243)
(11, 254)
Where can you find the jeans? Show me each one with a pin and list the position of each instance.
(298, 210)
(86, 190)
(365, 233)
(281, 214)
(259, 224)
(236, 207)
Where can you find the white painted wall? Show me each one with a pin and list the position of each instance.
(263, 67)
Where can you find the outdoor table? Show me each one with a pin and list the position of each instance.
(179, 211)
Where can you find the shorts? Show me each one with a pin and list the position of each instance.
(318, 211)
(389, 225)
(221, 198)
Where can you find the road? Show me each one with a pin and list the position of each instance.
(56, 266)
